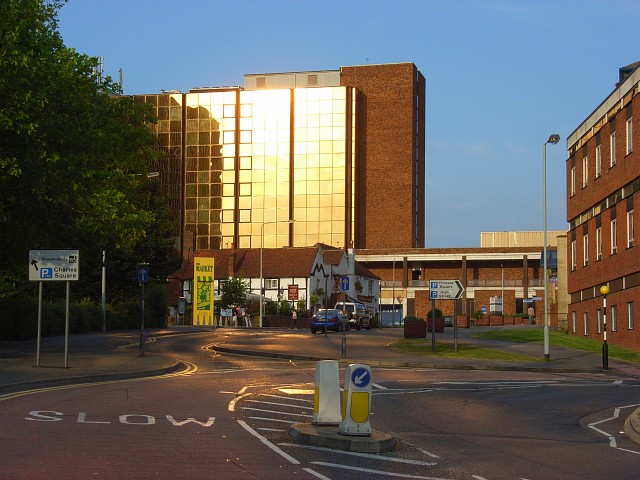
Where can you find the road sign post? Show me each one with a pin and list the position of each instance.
(444, 290)
(143, 278)
(54, 266)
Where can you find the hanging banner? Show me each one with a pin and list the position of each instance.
(203, 291)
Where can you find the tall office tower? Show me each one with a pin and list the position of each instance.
(339, 152)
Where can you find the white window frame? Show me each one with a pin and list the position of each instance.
(630, 232)
(630, 320)
(598, 161)
(598, 244)
(585, 321)
(613, 313)
(614, 236)
(629, 135)
(585, 172)
(585, 250)
(270, 283)
(612, 149)
(574, 261)
(573, 322)
(573, 181)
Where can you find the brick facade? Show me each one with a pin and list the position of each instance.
(602, 199)
(391, 151)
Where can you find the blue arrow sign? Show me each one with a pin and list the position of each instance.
(361, 377)
(143, 273)
(344, 283)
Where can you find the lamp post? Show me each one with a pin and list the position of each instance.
(261, 248)
(605, 347)
(553, 139)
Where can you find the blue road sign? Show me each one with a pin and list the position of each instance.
(143, 273)
(484, 309)
(46, 272)
(344, 283)
(361, 377)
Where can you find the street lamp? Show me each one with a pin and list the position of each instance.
(553, 139)
(261, 248)
(605, 347)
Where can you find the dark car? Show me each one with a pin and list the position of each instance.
(328, 319)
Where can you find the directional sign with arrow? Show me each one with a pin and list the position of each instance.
(361, 377)
(445, 289)
(53, 265)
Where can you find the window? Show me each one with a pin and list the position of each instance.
(573, 256)
(598, 244)
(614, 318)
(598, 161)
(612, 149)
(270, 283)
(585, 321)
(572, 187)
(585, 250)
(573, 322)
(630, 228)
(585, 172)
(599, 320)
(614, 236)
(630, 321)
(629, 135)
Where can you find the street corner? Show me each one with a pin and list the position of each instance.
(632, 426)
(327, 436)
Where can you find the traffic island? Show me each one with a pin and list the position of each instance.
(327, 436)
(632, 426)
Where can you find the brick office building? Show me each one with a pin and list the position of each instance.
(341, 153)
(603, 196)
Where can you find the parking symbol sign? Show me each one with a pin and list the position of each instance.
(46, 272)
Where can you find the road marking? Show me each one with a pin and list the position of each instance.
(265, 429)
(280, 404)
(612, 439)
(376, 472)
(316, 474)
(277, 412)
(273, 420)
(305, 400)
(357, 454)
(266, 442)
(379, 387)
(190, 368)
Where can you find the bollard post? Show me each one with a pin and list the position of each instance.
(356, 401)
(326, 397)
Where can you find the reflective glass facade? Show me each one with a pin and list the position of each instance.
(254, 159)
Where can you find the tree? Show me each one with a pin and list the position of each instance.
(234, 291)
(73, 157)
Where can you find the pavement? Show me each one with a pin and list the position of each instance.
(112, 356)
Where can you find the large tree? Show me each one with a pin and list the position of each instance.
(73, 155)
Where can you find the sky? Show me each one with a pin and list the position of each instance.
(502, 75)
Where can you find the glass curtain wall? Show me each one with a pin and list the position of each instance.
(253, 159)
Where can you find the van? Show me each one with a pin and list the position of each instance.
(356, 313)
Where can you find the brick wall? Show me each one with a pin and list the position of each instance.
(386, 170)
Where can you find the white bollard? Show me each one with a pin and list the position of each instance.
(326, 398)
(356, 401)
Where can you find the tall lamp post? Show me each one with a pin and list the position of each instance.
(261, 248)
(553, 139)
(605, 347)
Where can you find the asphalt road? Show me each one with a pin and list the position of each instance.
(229, 416)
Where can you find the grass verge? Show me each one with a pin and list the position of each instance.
(445, 350)
(559, 339)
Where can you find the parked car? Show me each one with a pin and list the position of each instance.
(328, 319)
(356, 314)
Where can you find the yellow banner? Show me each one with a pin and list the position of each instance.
(203, 291)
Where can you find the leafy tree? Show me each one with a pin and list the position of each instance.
(234, 291)
(73, 159)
